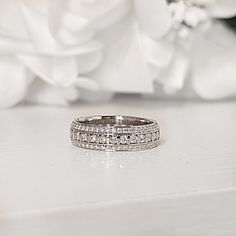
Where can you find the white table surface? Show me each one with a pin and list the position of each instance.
(187, 186)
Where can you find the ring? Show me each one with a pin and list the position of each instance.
(115, 133)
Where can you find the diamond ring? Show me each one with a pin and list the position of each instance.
(115, 133)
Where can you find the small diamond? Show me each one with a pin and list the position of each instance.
(154, 136)
(113, 140)
(119, 130)
(139, 130)
(79, 136)
(91, 129)
(72, 135)
(93, 138)
(124, 139)
(110, 148)
(84, 137)
(112, 130)
(109, 129)
(142, 138)
(133, 139)
(102, 139)
(101, 129)
(149, 137)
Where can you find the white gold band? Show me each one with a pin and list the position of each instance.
(115, 133)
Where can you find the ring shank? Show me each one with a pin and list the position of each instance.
(117, 120)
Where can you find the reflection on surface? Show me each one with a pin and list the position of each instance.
(118, 160)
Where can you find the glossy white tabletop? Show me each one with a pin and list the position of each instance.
(41, 173)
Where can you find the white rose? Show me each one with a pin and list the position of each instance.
(56, 47)
(134, 52)
(59, 51)
(30, 50)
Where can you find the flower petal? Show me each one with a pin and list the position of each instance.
(11, 21)
(64, 25)
(223, 8)
(123, 68)
(61, 71)
(88, 62)
(38, 30)
(174, 76)
(214, 63)
(46, 43)
(12, 45)
(74, 22)
(153, 16)
(158, 54)
(86, 83)
(43, 93)
(14, 81)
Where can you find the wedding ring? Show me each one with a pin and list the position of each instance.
(115, 133)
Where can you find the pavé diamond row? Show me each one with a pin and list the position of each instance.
(115, 133)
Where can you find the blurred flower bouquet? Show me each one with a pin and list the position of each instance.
(57, 52)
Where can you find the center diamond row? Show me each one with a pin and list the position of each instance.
(116, 139)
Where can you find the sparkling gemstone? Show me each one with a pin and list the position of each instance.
(91, 129)
(84, 137)
(72, 135)
(142, 138)
(93, 138)
(133, 139)
(109, 129)
(109, 148)
(124, 139)
(119, 130)
(79, 136)
(149, 137)
(102, 139)
(112, 130)
(113, 140)
(154, 136)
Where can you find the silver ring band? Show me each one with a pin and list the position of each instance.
(115, 133)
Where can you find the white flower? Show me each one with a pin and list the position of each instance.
(60, 46)
(203, 49)
(213, 61)
(27, 44)
(213, 55)
(133, 51)
(60, 51)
